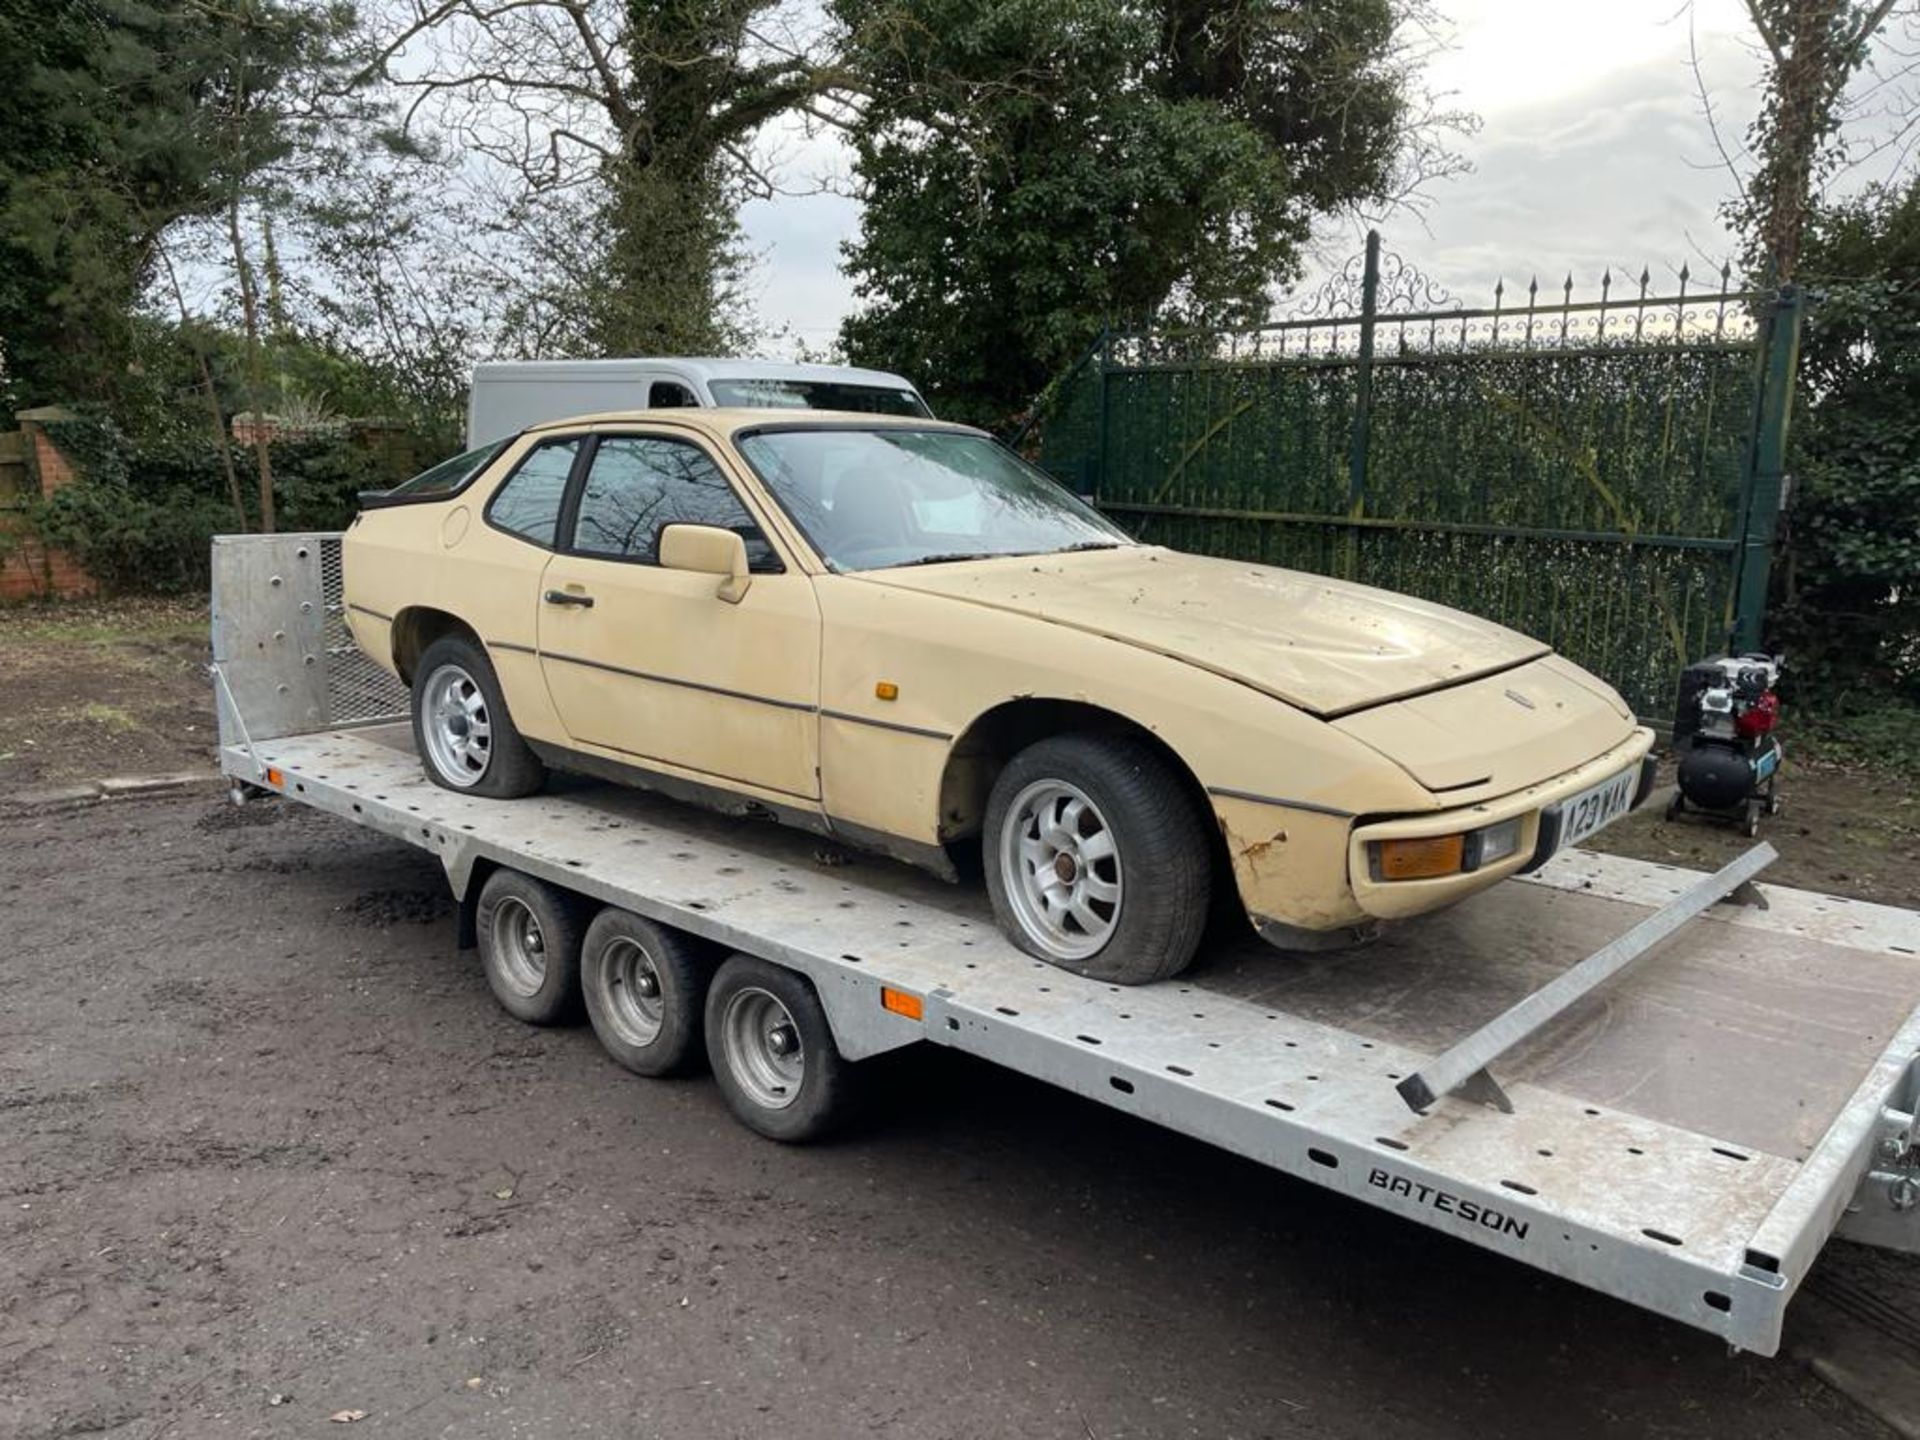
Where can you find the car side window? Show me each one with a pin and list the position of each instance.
(669, 395)
(640, 484)
(528, 504)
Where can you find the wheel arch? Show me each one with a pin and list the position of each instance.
(417, 627)
(992, 738)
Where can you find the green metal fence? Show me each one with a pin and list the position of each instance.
(1603, 473)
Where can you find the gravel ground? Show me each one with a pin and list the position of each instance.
(269, 1152)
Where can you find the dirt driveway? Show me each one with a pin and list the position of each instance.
(269, 1152)
(104, 687)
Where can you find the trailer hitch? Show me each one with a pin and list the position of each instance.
(1885, 1209)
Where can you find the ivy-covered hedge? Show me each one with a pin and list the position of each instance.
(143, 518)
(1846, 601)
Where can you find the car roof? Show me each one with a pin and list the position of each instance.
(723, 422)
(701, 367)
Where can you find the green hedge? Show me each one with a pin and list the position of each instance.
(141, 519)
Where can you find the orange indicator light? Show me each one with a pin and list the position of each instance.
(1422, 859)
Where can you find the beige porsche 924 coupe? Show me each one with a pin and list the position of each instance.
(896, 632)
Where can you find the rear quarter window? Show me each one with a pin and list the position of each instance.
(527, 504)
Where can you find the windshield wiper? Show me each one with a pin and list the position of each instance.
(952, 559)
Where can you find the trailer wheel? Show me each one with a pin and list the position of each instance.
(529, 938)
(1097, 859)
(466, 738)
(644, 987)
(773, 1052)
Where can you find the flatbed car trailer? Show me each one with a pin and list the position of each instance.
(1685, 1136)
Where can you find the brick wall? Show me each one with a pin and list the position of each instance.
(28, 569)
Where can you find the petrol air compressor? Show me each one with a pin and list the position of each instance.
(1723, 735)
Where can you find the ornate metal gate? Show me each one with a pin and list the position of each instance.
(1604, 473)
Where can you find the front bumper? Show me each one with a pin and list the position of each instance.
(1538, 808)
(1553, 816)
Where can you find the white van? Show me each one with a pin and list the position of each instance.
(509, 395)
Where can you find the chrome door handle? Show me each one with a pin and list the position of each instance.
(567, 597)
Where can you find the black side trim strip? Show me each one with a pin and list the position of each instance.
(716, 794)
(368, 610)
(800, 705)
(885, 725)
(720, 690)
(804, 815)
(1277, 800)
(719, 783)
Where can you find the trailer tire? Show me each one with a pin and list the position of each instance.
(773, 1054)
(645, 988)
(529, 940)
(1118, 836)
(462, 732)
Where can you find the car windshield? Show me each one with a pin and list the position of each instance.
(817, 395)
(449, 475)
(873, 499)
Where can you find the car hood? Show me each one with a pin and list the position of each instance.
(1323, 645)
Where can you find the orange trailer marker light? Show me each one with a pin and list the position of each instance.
(275, 778)
(1422, 859)
(901, 1003)
(887, 690)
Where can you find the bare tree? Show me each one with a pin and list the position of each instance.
(632, 120)
(1814, 49)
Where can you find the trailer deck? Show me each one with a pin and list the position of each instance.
(1685, 1139)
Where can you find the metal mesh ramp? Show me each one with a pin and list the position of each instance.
(357, 689)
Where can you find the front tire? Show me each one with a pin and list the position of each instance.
(465, 737)
(1097, 858)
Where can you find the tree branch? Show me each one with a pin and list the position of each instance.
(1767, 36)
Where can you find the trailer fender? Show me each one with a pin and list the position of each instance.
(862, 1013)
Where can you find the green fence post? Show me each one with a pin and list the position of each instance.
(1766, 467)
(1097, 481)
(1362, 404)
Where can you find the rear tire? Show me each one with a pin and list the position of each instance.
(646, 989)
(465, 737)
(773, 1053)
(529, 937)
(1098, 858)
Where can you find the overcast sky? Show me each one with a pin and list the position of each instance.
(1592, 152)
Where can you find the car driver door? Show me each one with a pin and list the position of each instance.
(651, 664)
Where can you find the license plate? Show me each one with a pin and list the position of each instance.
(1596, 808)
